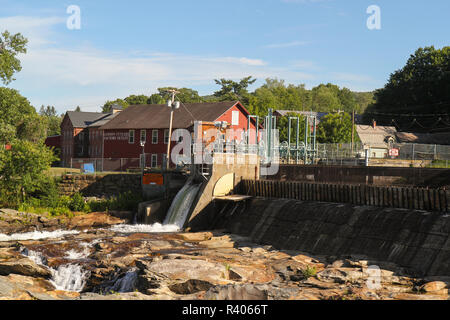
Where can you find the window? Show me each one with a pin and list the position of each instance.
(166, 136)
(235, 118)
(131, 137)
(155, 136)
(154, 160)
(143, 135)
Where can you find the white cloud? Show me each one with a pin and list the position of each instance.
(38, 30)
(286, 44)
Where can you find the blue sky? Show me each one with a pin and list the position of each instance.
(134, 47)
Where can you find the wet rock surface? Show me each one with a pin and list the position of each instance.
(97, 262)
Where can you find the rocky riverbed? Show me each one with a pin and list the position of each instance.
(98, 257)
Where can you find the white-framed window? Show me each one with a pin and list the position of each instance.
(235, 118)
(166, 136)
(131, 137)
(154, 160)
(155, 136)
(143, 135)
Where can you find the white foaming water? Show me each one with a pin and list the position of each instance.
(70, 277)
(127, 283)
(75, 255)
(145, 228)
(35, 256)
(37, 235)
(181, 205)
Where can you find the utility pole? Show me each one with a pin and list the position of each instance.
(353, 129)
(171, 104)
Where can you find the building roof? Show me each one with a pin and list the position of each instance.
(103, 121)
(424, 138)
(156, 116)
(376, 136)
(319, 115)
(84, 119)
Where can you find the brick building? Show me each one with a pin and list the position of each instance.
(122, 135)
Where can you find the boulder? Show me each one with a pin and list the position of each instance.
(235, 292)
(435, 287)
(24, 266)
(181, 269)
(190, 286)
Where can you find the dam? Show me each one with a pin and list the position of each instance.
(407, 226)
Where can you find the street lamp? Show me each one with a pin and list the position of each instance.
(143, 155)
(173, 105)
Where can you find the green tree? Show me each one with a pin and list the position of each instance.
(185, 95)
(325, 98)
(335, 128)
(16, 113)
(23, 170)
(52, 119)
(422, 86)
(231, 90)
(283, 127)
(137, 99)
(156, 99)
(10, 47)
(108, 104)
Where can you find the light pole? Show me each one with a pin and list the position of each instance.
(143, 159)
(173, 105)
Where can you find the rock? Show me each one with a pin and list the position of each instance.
(18, 287)
(341, 275)
(196, 237)
(96, 220)
(410, 296)
(190, 286)
(23, 266)
(219, 242)
(435, 287)
(235, 292)
(181, 269)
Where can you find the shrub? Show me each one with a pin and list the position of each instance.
(77, 203)
(309, 272)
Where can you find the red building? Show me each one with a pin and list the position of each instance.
(75, 127)
(123, 134)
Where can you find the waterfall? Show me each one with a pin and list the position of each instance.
(69, 277)
(126, 283)
(181, 205)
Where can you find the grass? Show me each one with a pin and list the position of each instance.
(58, 172)
(309, 272)
(439, 164)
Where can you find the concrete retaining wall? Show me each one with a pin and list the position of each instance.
(100, 185)
(364, 175)
(393, 197)
(417, 241)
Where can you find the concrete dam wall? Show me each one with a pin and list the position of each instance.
(416, 241)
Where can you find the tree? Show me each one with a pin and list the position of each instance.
(10, 47)
(77, 109)
(422, 86)
(137, 99)
(53, 121)
(283, 127)
(22, 169)
(156, 99)
(16, 114)
(335, 128)
(108, 104)
(325, 98)
(232, 90)
(185, 95)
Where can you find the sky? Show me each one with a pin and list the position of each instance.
(134, 47)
